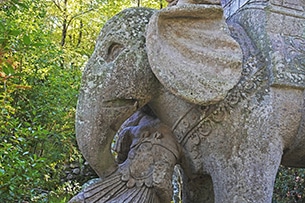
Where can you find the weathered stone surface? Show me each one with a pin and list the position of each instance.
(286, 35)
(80, 172)
(192, 54)
(181, 2)
(231, 6)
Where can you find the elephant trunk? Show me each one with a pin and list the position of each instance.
(100, 112)
(96, 125)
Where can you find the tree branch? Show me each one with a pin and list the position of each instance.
(57, 5)
(79, 14)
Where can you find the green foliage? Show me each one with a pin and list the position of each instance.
(289, 186)
(38, 96)
(43, 48)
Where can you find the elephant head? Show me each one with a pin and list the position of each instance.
(116, 82)
(118, 78)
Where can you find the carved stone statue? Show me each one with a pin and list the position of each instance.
(231, 91)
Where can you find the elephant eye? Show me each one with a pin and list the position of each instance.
(113, 51)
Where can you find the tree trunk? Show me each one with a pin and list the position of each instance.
(80, 34)
(64, 25)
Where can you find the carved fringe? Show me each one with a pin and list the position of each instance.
(114, 190)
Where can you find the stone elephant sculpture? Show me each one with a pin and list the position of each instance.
(236, 109)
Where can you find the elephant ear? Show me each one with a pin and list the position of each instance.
(192, 54)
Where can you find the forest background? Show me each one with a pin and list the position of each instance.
(44, 46)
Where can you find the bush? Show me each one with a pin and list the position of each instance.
(289, 185)
(38, 94)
